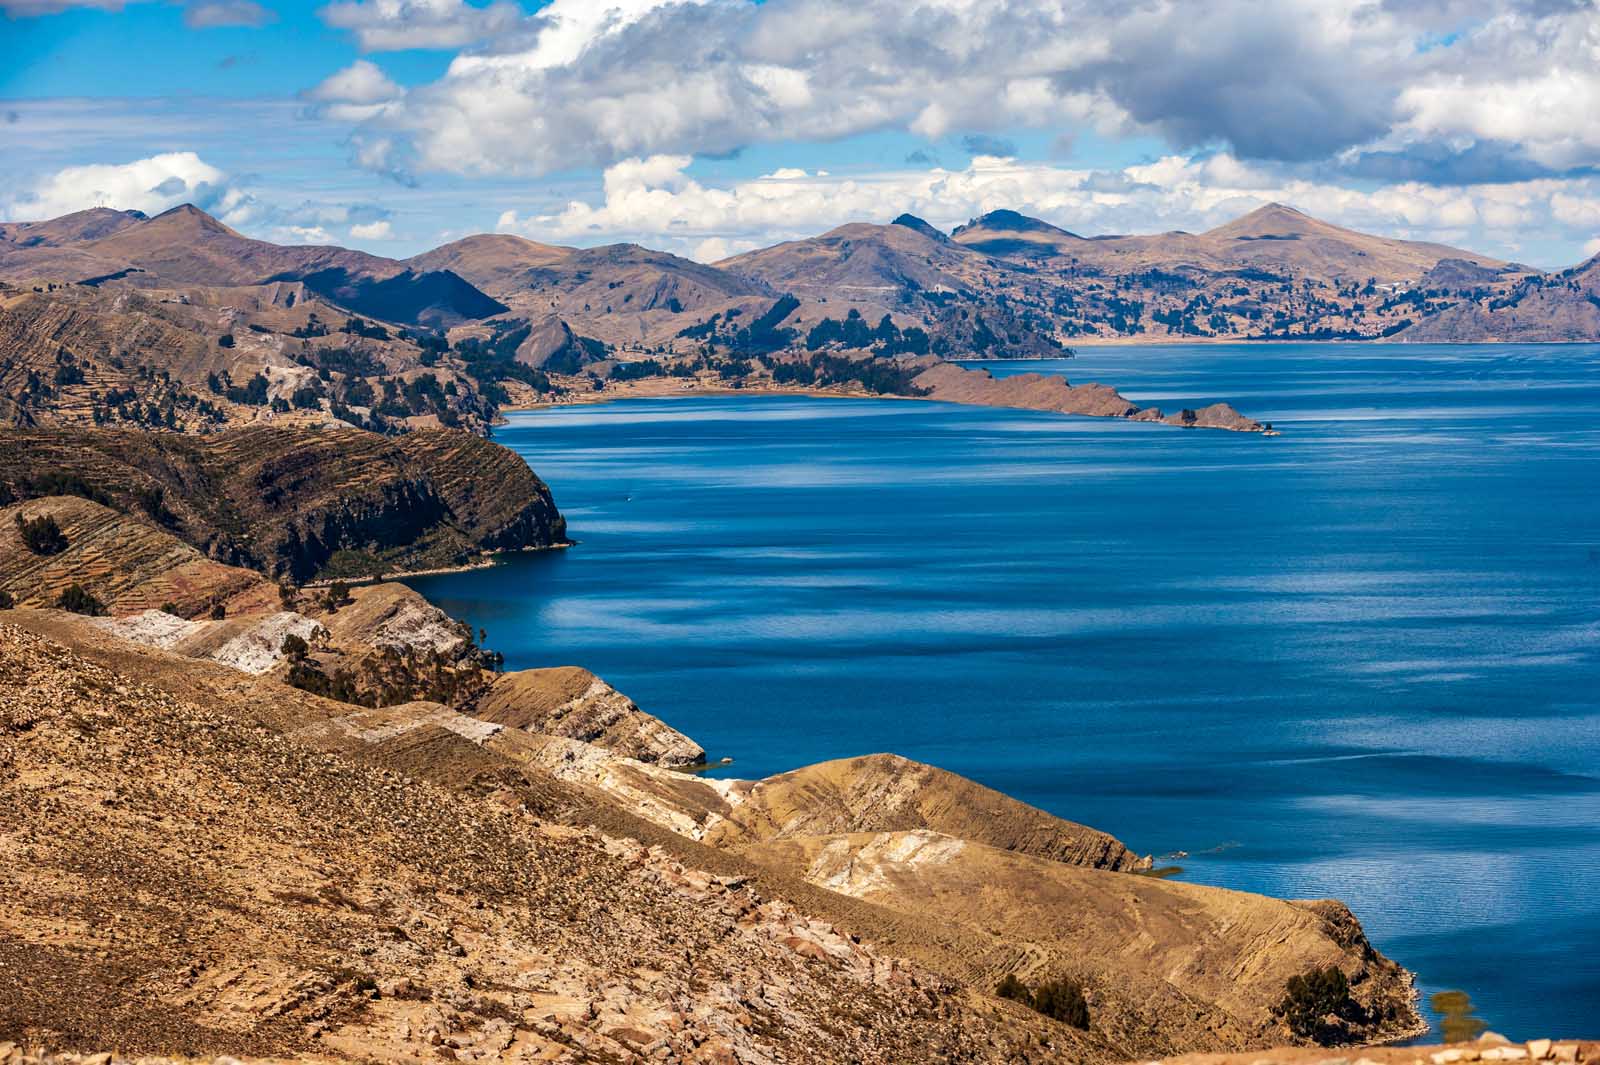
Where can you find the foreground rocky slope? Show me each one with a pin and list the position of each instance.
(187, 879)
(313, 842)
(299, 503)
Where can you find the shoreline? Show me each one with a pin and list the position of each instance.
(486, 562)
(592, 399)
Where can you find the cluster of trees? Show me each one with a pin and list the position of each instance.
(883, 377)
(1062, 1000)
(763, 336)
(1316, 1005)
(42, 535)
(853, 332)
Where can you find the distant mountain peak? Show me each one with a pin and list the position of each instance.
(189, 214)
(911, 221)
(1006, 220)
(1273, 220)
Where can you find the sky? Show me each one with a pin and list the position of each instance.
(710, 127)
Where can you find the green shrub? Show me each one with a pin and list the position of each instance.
(1311, 998)
(218, 611)
(1060, 1000)
(6, 602)
(42, 535)
(294, 647)
(171, 608)
(1014, 989)
(76, 599)
(337, 595)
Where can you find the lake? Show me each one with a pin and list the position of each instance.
(1360, 659)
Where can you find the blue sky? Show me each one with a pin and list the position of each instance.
(711, 126)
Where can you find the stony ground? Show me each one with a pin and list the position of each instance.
(176, 879)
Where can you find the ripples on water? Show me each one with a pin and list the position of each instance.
(1366, 650)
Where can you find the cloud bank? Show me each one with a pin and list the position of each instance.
(654, 201)
(590, 83)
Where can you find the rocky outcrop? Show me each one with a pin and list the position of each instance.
(573, 703)
(252, 645)
(1216, 416)
(301, 503)
(1034, 391)
(887, 793)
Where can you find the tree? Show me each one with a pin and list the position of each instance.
(1062, 1000)
(1015, 990)
(79, 601)
(294, 647)
(1311, 998)
(42, 535)
(171, 608)
(337, 595)
(6, 601)
(218, 610)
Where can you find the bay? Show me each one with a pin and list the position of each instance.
(1360, 659)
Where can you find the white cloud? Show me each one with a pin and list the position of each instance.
(150, 185)
(394, 25)
(359, 92)
(594, 82)
(37, 8)
(655, 201)
(302, 235)
(372, 231)
(212, 14)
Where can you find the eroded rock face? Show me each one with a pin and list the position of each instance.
(887, 793)
(573, 703)
(294, 503)
(251, 645)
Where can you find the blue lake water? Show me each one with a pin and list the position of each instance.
(1361, 659)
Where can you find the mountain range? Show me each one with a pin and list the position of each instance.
(178, 321)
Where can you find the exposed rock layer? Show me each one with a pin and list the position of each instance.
(301, 503)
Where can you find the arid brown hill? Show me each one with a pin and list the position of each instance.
(223, 864)
(1544, 308)
(187, 246)
(299, 503)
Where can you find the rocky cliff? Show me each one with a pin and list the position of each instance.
(299, 503)
(574, 704)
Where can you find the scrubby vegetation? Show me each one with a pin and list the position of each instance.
(1316, 1003)
(79, 601)
(42, 535)
(1060, 1000)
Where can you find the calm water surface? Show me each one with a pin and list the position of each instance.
(1361, 659)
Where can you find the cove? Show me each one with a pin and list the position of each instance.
(1360, 660)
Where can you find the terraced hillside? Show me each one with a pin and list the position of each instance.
(126, 563)
(299, 503)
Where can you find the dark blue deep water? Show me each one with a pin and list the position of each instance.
(1358, 660)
